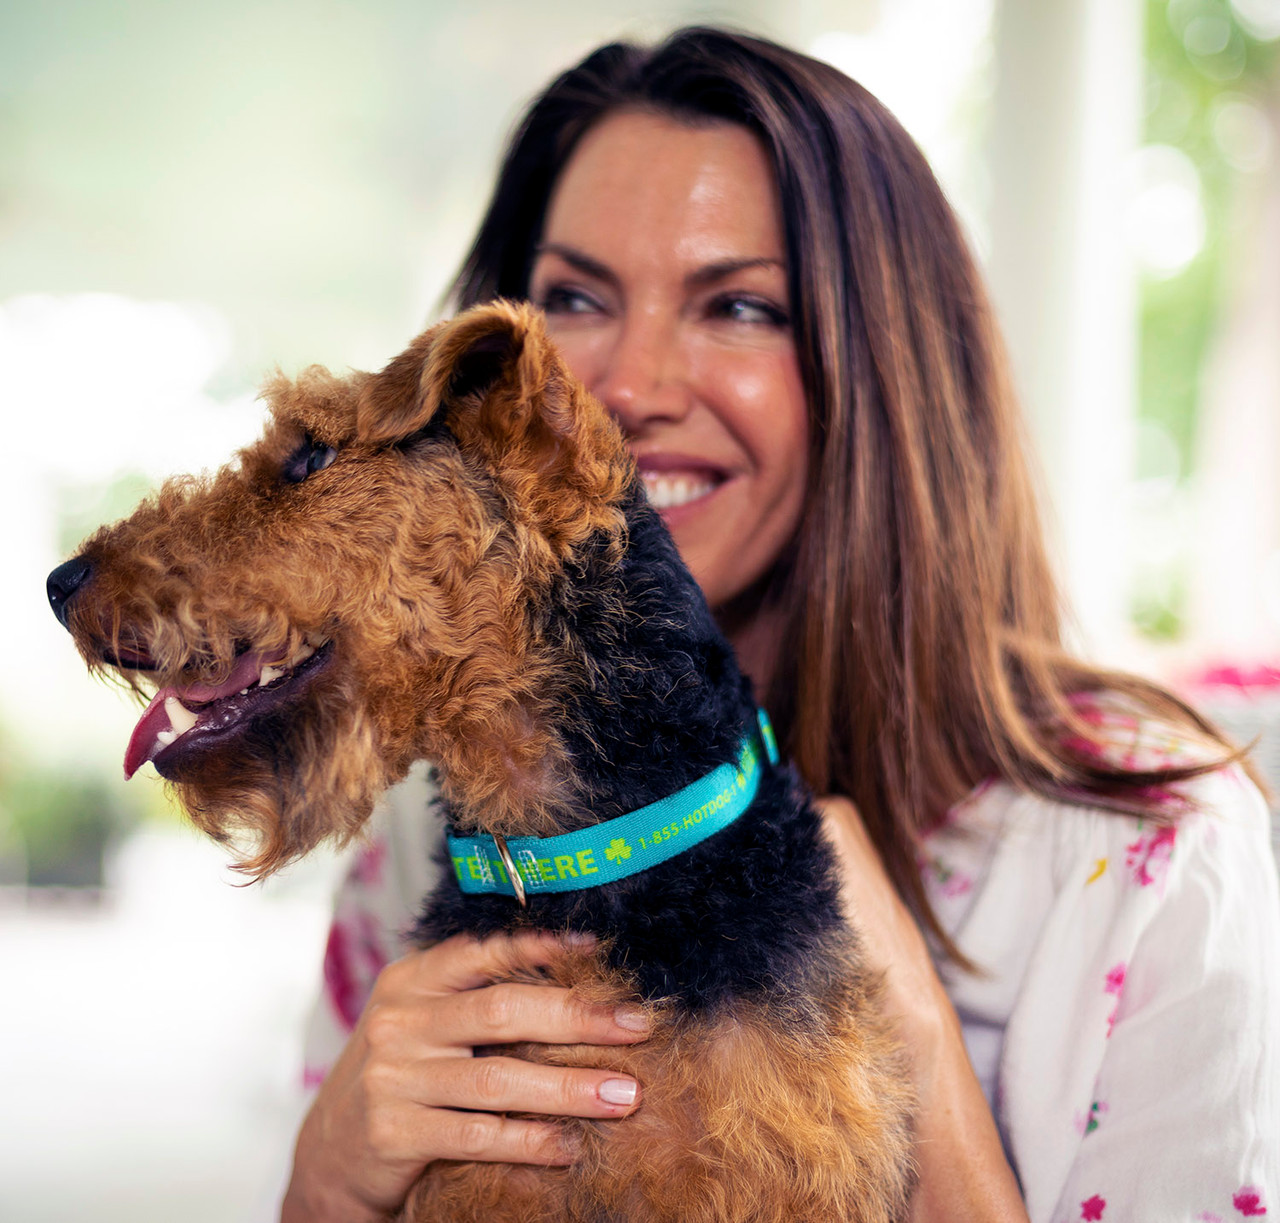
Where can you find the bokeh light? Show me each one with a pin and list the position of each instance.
(1166, 217)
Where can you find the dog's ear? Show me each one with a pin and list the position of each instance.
(391, 403)
(509, 400)
(452, 366)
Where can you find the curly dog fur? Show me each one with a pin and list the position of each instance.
(453, 559)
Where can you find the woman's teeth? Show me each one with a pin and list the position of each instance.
(667, 491)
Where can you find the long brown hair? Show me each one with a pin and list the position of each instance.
(924, 614)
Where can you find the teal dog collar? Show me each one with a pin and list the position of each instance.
(626, 845)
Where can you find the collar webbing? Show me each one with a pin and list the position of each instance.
(622, 846)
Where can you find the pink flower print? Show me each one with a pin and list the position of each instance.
(1148, 857)
(313, 1076)
(957, 885)
(955, 813)
(1093, 1207)
(951, 883)
(352, 959)
(1086, 1123)
(339, 981)
(1207, 1216)
(1082, 747)
(367, 868)
(1115, 985)
(1248, 1201)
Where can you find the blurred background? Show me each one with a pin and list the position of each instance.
(192, 194)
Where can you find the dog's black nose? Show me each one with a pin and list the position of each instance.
(63, 582)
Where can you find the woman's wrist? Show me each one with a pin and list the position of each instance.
(963, 1171)
(303, 1207)
(309, 1199)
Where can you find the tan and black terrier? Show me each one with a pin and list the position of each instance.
(453, 559)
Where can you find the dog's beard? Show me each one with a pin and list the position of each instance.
(295, 777)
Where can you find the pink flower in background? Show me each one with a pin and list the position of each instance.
(1093, 1207)
(1248, 1201)
(1229, 675)
(1148, 857)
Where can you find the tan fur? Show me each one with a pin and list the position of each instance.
(420, 572)
(744, 1118)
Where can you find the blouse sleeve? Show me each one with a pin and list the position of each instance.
(388, 872)
(1140, 1078)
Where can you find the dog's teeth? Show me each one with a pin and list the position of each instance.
(303, 654)
(269, 674)
(180, 717)
(165, 737)
(244, 691)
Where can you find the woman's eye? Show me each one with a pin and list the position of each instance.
(753, 310)
(563, 299)
(310, 457)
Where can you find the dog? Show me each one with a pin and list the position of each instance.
(454, 559)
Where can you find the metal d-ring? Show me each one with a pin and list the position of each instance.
(512, 873)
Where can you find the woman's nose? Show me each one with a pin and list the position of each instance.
(644, 377)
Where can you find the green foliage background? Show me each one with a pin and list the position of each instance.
(1179, 313)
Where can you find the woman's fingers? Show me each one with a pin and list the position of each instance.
(448, 987)
(463, 962)
(507, 1084)
(502, 1014)
(491, 1138)
(407, 1089)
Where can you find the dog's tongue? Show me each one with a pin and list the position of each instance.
(144, 743)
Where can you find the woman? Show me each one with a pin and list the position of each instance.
(742, 254)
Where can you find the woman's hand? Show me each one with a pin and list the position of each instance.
(407, 1089)
(963, 1170)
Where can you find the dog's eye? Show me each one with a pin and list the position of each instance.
(310, 457)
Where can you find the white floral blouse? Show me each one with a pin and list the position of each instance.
(1125, 1021)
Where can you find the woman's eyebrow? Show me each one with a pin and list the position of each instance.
(698, 278)
(711, 272)
(577, 260)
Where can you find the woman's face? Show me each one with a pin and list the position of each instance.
(662, 272)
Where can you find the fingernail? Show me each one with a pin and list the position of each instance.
(631, 1018)
(618, 1091)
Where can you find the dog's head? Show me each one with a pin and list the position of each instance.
(359, 589)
